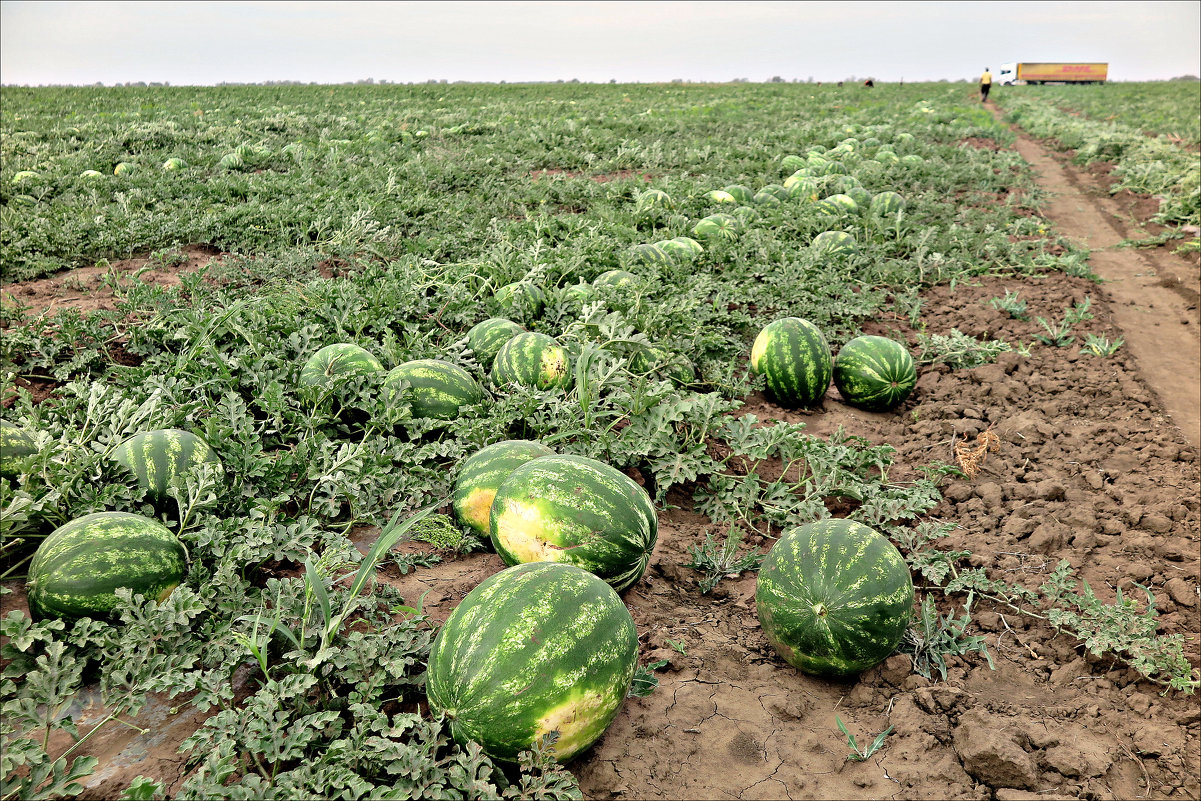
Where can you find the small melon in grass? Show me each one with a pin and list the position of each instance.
(156, 458)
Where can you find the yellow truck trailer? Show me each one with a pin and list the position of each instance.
(1038, 72)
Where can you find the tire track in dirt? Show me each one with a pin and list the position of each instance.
(1156, 310)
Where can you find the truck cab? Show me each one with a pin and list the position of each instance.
(1007, 75)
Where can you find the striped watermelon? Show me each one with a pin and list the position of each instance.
(338, 361)
(79, 566)
(834, 168)
(886, 157)
(913, 160)
(829, 208)
(805, 189)
(683, 248)
(174, 164)
(231, 161)
(792, 163)
(833, 243)
(648, 253)
(887, 204)
(156, 457)
(532, 360)
(874, 373)
(845, 202)
(655, 360)
(16, 446)
(717, 226)
(793, 356)
(520, 299)
(483, 472)
(721, 196)
(622, 279)
(124, 168)
(437, 389)
(485, 338)
(765, 198)
(576, 293)
(834, 597)
(861, 196)
(747, 215)
(533, 649)
(577, 510)
(655, 198)
(842, 184)
(739, 192)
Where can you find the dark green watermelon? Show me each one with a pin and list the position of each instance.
(485, 338)
(437, 389)
(834, 597)
(793, 356)
(874, 373)
(532, 360)
(156, 457)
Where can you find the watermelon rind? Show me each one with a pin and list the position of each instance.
(834, 597)
(874, 373)
(483, 472)
(155, 458)
(437, 389)
(16, 448)
(531, 359)
(485, 338)
(794, 358)
(577, 510)
(740, 193)
(532, 649)
(887, 204)
(336, 362)
(78, 567)
(833, 243)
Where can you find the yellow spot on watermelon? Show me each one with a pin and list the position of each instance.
(758, 350)
(579, 721)
(477, 506)
(522, 531)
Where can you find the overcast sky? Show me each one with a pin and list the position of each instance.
(331, 42)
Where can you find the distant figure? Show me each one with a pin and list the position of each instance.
(868, 83)
(840, 83)
(985, 85)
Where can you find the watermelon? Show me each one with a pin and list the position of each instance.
(912, 160)
(721, 196)
(717, 226)
(577, 293)
(91, 174)
(904, 137)
(78, 568)
(649, 254)
(874, 373)
(833, 243)
(655, 198)
(336, 362)
(829, 208)
(674, 366)
(805, 189)
(123, 168)
(16, 448)
(764, 198)
(621, 279)
(747, 215)
(834, 597)
(792, 163)
(483, 472)
(532, 360)
(519, 299)
(846, 202)
(577, 510)
(793, 356)
(861, 196)
(485, 338)
(739, 192)
(887, 204)
(437, 389)
(842, 184)
(174, 164)
(532, 649)
(834, 168)
(683, 248)
(155, 458)
(23, 176)
(231, 161)
(886, 157)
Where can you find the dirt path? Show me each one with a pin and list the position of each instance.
(1153, 293)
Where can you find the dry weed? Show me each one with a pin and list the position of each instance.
(971, 457)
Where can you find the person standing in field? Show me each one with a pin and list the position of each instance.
(985, 85)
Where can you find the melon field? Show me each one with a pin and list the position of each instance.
(864, 423)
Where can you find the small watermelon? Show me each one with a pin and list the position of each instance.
(747, 215)
(833, 243)
(91, 174)
(683, 248)
(834, 597)
(576, 293)
(717, 226)
(485, 338)
(887, 204)
(793, 356)
(16, 448)
(124, 168)
(874, 373)
(842, 184)
(763, 198)
(621, 279)
(846, 202)
(792, 163)
(912, 160)
(78, 568)
(577, 510)
(231, 161)
(24, 176)
(650, 254)
(483, 472)
(886, 157)
(655, 198)
(437, 389)
(834, 168)
(155, 458)
(532, 360)
(520, 299)
(676, 368)
(721, 196)
(174, 164)
(338, 361)
(533, 649)
(739, 192)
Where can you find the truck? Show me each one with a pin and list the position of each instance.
(1039, 72)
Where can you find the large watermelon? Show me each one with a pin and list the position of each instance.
(793, 356)
(437, 389)
(16, 446)
(834, 597)
(739, 192)
(717, 226)
(874, 373)
(532, 360)
(577, 510)
(156, 457)
(483, 472)
(833, 243)
(655, 198)
(649, 253)
(887, 204)
(338, 361)
(485, 338)
(533, 649)
(78, 568)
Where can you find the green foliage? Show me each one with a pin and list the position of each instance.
(1011, 304)
(862, 754)
(716, 561)
(1100, 345)
(932, 637)
(957, 350)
